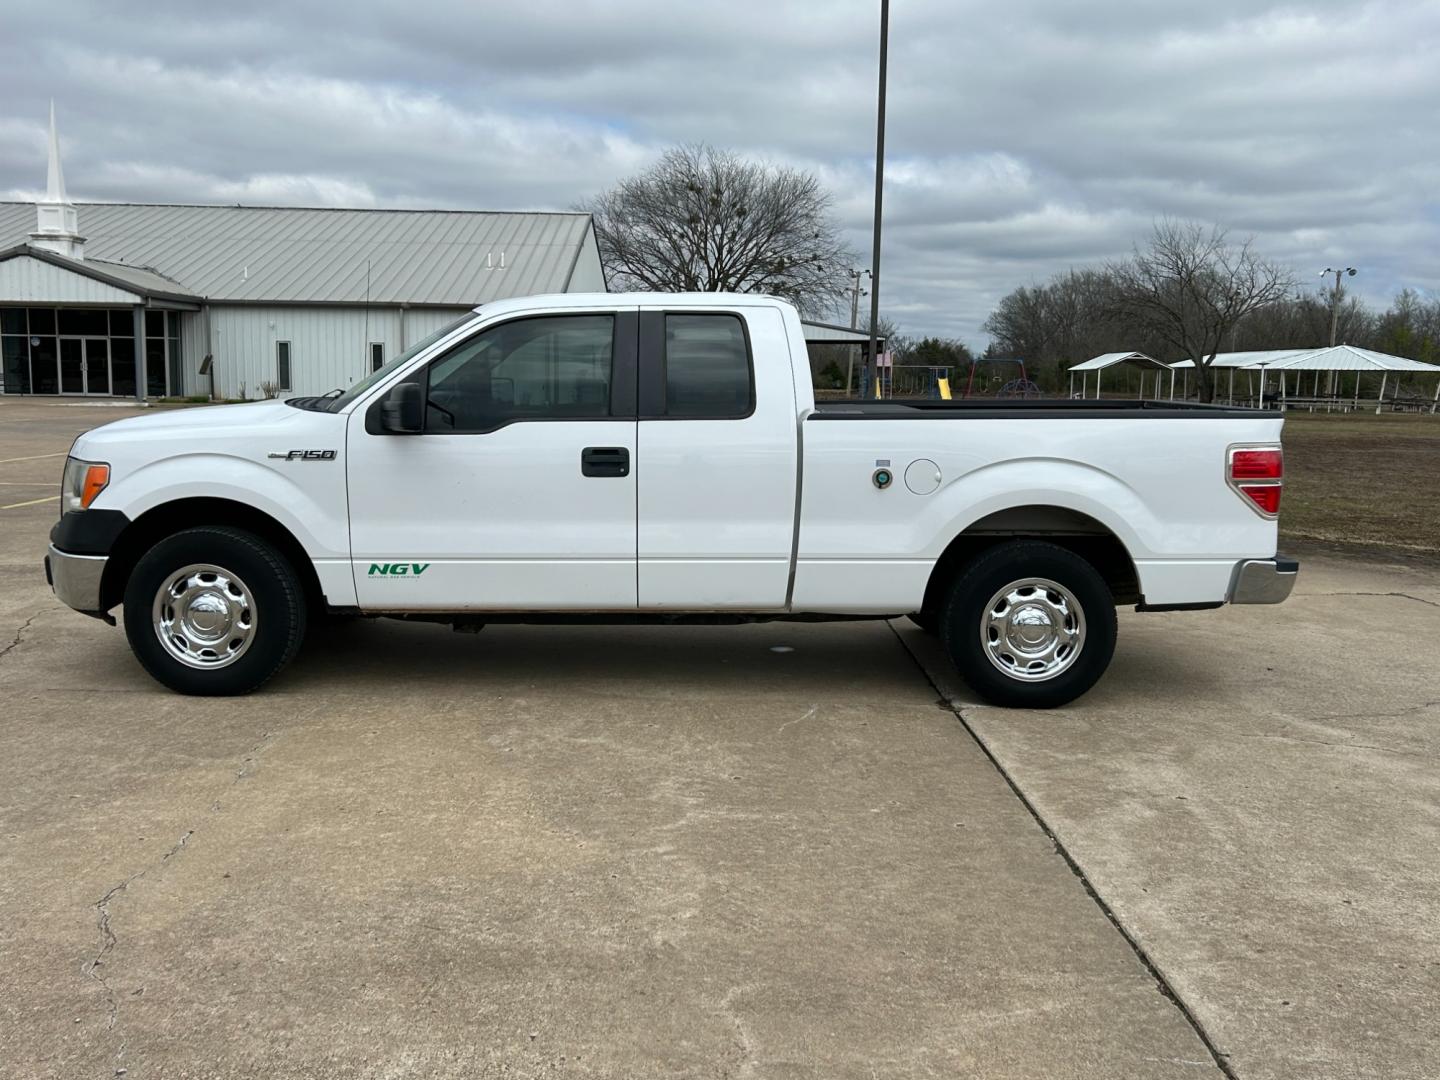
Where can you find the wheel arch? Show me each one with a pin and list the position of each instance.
(1071, 529)
(172, 517)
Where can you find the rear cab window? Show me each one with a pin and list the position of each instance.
(708, 370)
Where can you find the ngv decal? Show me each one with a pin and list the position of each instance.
(398, 569)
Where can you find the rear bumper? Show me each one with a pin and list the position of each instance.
(76, 579)
(1263, 581)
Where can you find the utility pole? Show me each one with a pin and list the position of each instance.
(879, 182)
(1335, 298)
(855, 293)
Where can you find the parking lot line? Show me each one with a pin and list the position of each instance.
(33, 457)
(32, 502)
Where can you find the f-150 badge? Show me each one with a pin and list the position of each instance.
(304, 455)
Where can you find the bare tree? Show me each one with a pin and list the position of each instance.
(706, 220)
(1189, 286)
(1059, 323)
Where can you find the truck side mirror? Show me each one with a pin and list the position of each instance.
(402, 412)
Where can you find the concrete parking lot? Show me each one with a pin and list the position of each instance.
(777, 851)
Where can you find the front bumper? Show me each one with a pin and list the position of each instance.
(76, 579)
(1263, 581)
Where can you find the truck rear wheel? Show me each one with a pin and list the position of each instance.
(1029, 625)
(214, 611)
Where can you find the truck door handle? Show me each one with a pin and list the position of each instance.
(605, 461)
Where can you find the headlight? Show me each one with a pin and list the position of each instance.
(84, 480)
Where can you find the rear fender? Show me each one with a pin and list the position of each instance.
(1068, 485)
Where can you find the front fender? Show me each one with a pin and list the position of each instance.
(312, 506)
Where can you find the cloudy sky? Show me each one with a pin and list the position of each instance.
(1024, 137)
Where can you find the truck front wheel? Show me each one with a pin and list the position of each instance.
(1029, 625)
(214, 611)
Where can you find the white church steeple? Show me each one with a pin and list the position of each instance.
(56, 224)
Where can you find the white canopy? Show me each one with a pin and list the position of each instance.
(1349, 358)
(1336, 358)
(1253, 359)
(1098, 364)
(1110, 359)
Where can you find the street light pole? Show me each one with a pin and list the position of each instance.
(879, 183)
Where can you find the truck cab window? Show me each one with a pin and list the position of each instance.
(549, 368)
(707, 368)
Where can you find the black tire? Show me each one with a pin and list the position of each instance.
(279, 609)
(964, 617)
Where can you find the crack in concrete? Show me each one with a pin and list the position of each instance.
(1377, 715)
(20, 633)
(1221, 1059)
(109, 940)
(1397, 595)
(1409, 711)
(799, 719)
(1327, 742)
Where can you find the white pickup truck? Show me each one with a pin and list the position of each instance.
(661, 458)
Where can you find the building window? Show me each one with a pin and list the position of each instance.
(282, 365)
(174, 368)
(45, 350)
(377, 355)
(91, 322)
(163, 372)
(15, 358)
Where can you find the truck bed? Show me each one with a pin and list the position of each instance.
(1020, 408)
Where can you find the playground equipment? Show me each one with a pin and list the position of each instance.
(1021, 387)
(941, 381)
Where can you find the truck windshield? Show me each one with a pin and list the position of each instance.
(335, 404)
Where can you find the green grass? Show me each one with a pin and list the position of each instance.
(1361, 481)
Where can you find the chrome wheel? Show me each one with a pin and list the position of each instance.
(1032, 629)
(204, 616)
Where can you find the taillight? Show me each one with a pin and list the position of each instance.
(1257, 473)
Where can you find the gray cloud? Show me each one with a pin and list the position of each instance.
(1024, 138)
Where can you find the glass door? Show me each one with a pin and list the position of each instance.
(97, 365)
(72, 365)
(84, 365)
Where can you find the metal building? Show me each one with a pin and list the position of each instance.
(281, 300)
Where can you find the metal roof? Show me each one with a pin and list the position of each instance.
(1350, 358)
(1110, 359)
(266, 254)
(146, 283)
(1255, 358)
(818, 333)
(1335, 358)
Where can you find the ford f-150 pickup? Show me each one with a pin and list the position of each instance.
(661, 458)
